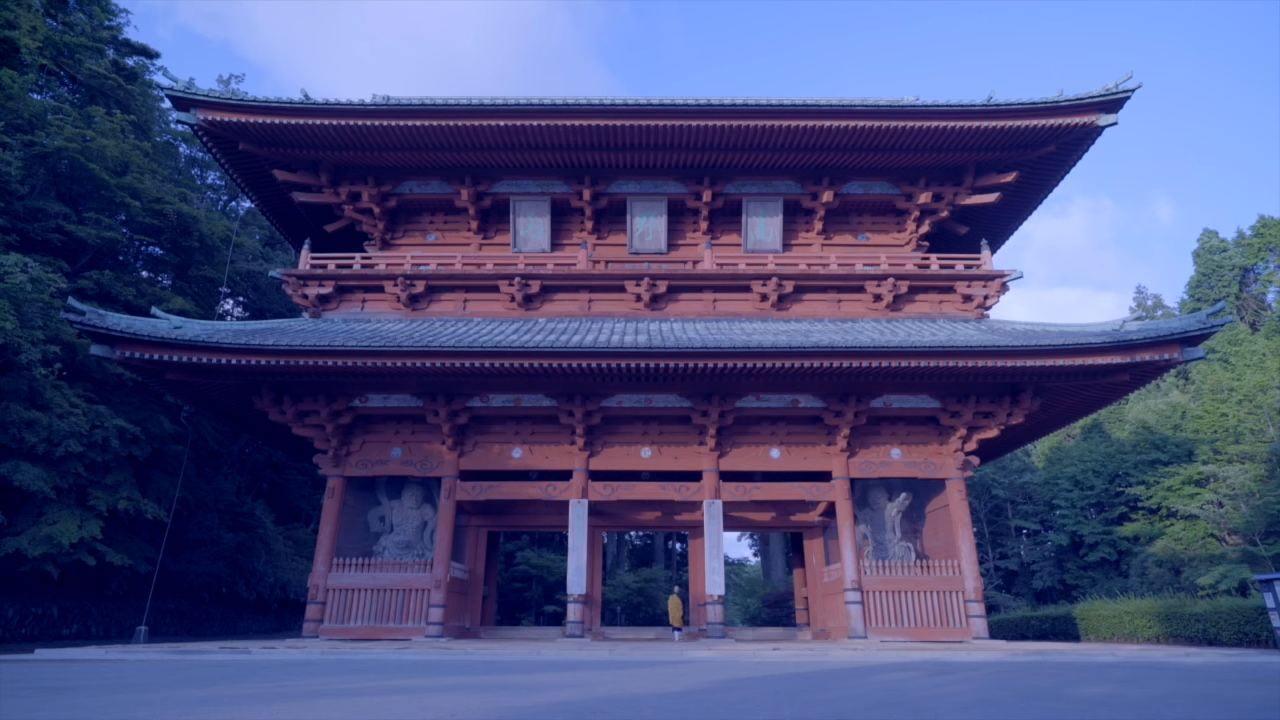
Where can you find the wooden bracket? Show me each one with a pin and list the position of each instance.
(313, 296)
(979, 294)
(704, 201)
(407, 294)
(588, 201)
(769, 293)
(883, 292)
(520, 294)
(973, 419)
(325, 420)
(645, 293)
(844, 414)
(580, 414)
(824, 199)
(469, 199)
(712, 414)
(450, 415)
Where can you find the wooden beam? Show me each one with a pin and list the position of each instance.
(954, 227)
(983, 199)
(297, 178)
(338, 224)
(317, 198)
(996, 179)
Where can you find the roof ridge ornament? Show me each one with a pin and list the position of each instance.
(188, 85)
(174, 321)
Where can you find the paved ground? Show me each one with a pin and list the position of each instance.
(640, 680)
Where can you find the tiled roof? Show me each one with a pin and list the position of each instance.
(376, 335)
(188, 88)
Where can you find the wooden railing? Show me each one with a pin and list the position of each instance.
(917, 568)
(378, 565)
(582, 260)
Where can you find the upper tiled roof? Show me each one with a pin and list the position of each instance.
(188, 88)
(377, 335)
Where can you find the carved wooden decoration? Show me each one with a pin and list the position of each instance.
(883, 292)
(520, 294)
(769, 293)
(313, 297)
(530, 224)
(408, 295)
(762, 225)
(645, 293)
(647, 225)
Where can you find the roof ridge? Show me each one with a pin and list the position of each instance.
(190, 88)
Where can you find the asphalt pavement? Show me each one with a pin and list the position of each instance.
(625, 681)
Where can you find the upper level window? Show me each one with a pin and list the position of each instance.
(530, 224)
(647, 225)
(762, 225)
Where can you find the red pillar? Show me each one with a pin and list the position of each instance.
(326, 541)
(967, 549)
(697, 581)
(798, 584)
(849, 558)
(442, 559)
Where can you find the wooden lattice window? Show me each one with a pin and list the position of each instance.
(762, 225)
(530, 224)
(647, 225)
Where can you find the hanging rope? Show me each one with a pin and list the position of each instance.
(141, 635)
(226, 273)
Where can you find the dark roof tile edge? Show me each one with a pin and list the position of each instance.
(189, 90)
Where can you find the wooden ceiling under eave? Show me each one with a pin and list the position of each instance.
(1043, 143)
(1066, 393)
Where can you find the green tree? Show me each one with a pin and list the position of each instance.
(104, 198)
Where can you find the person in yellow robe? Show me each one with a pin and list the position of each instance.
(675, 613)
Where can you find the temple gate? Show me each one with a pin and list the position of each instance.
(590, 316)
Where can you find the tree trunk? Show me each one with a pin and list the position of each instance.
(660, 551)
(773, 558)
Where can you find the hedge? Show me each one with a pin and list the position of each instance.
(42, 620)
(1224, 621)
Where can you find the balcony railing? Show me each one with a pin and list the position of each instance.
(582, 260)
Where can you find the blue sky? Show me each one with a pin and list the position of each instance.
(1199, 146)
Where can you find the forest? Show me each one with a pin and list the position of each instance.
(105, 198)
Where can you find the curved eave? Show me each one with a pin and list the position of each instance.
(1042, 139)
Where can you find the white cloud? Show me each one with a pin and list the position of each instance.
(351, 50)
(1080, 260)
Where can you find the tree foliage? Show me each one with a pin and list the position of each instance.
(104, 198)
(1175, 489)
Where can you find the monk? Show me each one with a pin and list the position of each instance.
(675, 613)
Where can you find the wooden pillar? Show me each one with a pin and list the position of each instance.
(595, 595)
(442, 559)
(697, 581)
(326, 541)
(815, 563)
(493, 556)
(576, 569)
(477, 559)
(713, 542)
(967, 549)
(849, 557)
(798, 583)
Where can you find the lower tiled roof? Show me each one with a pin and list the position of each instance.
(493, 335)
